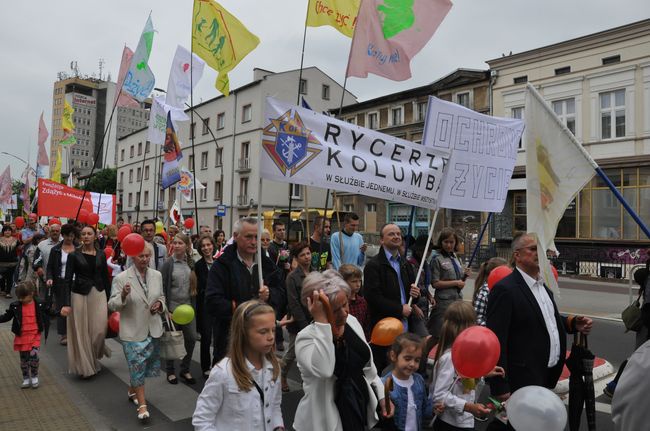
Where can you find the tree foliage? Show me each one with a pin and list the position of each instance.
(104, 181)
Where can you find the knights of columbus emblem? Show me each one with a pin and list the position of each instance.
(286, 140)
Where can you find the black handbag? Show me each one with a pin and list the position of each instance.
(632, 316)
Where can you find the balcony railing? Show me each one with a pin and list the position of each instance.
(243, 201)
(244, 164)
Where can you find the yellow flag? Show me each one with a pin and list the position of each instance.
(66, 120)
(340, 14)
(56, 174)
(220, 39)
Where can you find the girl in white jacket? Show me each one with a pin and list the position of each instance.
(243, 391)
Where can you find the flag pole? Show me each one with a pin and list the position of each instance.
(137, 214)
(480, 238)
(260, 222)
(193, 126)
(426, 251)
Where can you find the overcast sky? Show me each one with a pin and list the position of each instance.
(40, 38)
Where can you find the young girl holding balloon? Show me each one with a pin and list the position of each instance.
(180, 288)
(455, 392)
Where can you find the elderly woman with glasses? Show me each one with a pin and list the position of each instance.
(342, 388)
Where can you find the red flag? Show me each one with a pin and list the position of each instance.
(42, 160)
(5, 187)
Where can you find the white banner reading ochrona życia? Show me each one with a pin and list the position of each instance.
(483, 155)
(303, 147)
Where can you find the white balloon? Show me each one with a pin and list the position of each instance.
(535, 408)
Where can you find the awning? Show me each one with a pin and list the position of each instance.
(517, 184)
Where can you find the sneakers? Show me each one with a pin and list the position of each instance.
(610, 388)
(26, 383)
(34, 382)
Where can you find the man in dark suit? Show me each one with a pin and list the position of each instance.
(389, 281)
(532, 333)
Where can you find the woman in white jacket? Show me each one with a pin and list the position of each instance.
(137, 294)
(342, 388)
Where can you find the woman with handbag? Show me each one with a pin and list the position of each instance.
(138, 296)
(86, 307)
(180, 287)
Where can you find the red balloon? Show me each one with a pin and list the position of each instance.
(189, 223)
(475, 352)
(133, 244)
(108, 251)
(123, 232)
(114, 322)
(497, 274)
(83, 216)
(92, 219)
(555, 274)
(19, 221)
(54, 220)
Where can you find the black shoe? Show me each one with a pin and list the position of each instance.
(187, 378)
(172, 379)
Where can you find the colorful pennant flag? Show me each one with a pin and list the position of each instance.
(172, 154)
(139, 80)
(125, 100)
(25, 191)
(175, 214)
(42, 159)
(185, 72)
(56, 174)
(188, 183)
(389, 33)
(67, 125)
(158, 121)
(340, 14)
(220, 39)
(5, 187)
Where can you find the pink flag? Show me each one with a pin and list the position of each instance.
(42, 160)
(5, 187)
(390, 33)
(25, 192)
(125, 99)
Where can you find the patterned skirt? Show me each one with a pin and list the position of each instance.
(143, 359)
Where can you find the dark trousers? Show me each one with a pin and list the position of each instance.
(209, 337)
(439, 425)
(7, 281)
(221, 339)
(61, 293)
(29, 363)
(189, 339)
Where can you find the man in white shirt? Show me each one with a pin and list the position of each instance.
(532, 333)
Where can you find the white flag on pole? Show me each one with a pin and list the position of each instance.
(557, 168)
(158, 121)
(185, 72)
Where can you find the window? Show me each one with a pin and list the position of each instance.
(206, 126)
(218, 160)
(146, 197)
(396, 116)
(139, 175)
(352, 120)
(373, 120)
(520, 79)
(192, 127)
(139, 148)
(371, 208)
(420, 111)
(172, 194)
(348, 208)
(121, 180)
(463, 99)
(221, 120)
(130, 175)
(243, 188)
(566, 111)
(122, 155)
(147, 147)
(217, 190)
(204, 160)
(296, 191)
(137, 199)
(612, 114)
(303, 86)
(203, 194)
(190, 163)
(563, 70)
(130, 199)
(518, 113)
(132, 152)
(245, 148)
(519, 211)
(325, 93)
(611, 60)
(246, 113)
(146, 172)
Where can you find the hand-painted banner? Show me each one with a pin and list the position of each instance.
(158, 121)
(483, 155)
(340, 14)
(180, 82)
(139, 80)
(304, 147)
(59, 200)
(390, 33)
(125, 100)
(5, 186)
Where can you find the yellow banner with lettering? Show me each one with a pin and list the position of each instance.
(340, 14)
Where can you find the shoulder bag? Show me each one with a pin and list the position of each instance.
(172, 344)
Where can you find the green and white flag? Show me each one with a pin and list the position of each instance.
(139, 80)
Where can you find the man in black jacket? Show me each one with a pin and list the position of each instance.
(233, 279)
(389, 281)
(532, 333)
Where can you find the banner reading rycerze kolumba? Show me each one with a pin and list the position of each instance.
(483, 155)
(303, 147)
(59, 200)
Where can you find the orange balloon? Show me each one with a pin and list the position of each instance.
(385, 331)
(554, 271)
(497, 274)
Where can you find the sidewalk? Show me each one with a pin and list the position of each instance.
(45, 408)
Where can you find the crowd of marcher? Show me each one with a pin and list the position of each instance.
(316, 308)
